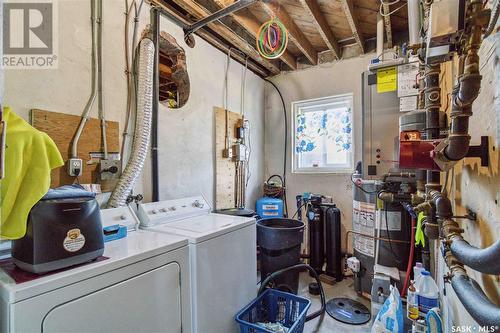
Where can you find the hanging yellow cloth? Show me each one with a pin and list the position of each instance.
(30, 155)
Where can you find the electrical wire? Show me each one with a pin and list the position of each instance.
(285, 121)
(390, 13)
(361, 188)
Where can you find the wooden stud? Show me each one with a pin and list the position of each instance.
(348, 7)
(295, 34)
(387, 22)
(200, 12)
(312, 7)
(248, 21)
(211, 39)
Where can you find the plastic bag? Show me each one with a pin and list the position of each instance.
(390, 316)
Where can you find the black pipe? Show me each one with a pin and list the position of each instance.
(155, 28)
(482, 260)
(475, 301)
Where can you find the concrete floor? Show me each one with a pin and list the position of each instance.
(325, 323)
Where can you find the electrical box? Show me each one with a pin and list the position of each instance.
(380, 130)
(446, 21)
(75, 167)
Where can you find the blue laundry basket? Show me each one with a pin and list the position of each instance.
(274, 306)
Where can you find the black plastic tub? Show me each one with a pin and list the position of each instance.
(279, 240)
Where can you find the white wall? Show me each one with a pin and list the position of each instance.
(336, 78)
(186, 135)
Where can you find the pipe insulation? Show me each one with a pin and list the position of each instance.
(482, 260)
(475, 301)
(143, 125)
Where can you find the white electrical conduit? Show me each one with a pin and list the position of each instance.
(143, 123)
(380, 35)
(86, 111)
(100, 106)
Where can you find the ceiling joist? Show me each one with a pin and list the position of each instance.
(348, 7)
(295, 34)
(312, 7)
(200, 12)
(251, 24)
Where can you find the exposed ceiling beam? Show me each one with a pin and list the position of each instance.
(348, 7)
(210, 38)
(295, 34)
(312, 7)
(387, 23)
(200, 12)
(251, 24)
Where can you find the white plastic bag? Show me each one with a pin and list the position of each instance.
(390, 316)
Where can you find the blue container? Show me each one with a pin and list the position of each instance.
(268, 208)
(274, 306)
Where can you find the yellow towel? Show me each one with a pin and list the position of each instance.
(30, 155)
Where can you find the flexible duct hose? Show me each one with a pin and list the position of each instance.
(475, 301)
(143, 125)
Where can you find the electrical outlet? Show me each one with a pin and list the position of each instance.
(110, 169)
(228, 153)
(75, 167)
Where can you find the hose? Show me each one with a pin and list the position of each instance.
(299, 267)
(143, 125)
(410, 259)
(285, 122)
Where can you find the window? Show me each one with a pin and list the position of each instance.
(322, 140)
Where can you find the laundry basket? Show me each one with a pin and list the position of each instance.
(274, 306)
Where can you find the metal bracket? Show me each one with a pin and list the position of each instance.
(481, 151)
(469, 216)
(189, 30)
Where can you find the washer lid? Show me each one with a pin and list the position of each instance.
(201, 228)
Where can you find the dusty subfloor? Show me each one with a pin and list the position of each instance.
(325, 323)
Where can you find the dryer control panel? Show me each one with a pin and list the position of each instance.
(154, 213)
(121, 215)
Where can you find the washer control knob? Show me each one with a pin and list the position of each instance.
(154, 211)
(163, 210)
(173, 208)
(123, 217)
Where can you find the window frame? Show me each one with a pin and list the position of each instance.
(319, 103)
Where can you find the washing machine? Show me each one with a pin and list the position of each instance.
(222, 256)
(140, 284)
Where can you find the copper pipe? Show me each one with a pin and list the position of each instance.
(372, 237)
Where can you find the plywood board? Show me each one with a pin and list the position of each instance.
(225, 168)
(62, 128)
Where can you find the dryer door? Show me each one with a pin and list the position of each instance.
(150, 302)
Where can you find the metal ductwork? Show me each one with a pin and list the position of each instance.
(143, 125)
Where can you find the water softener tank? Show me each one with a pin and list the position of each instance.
(269, 208)
(315, 228)
(333, 249)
